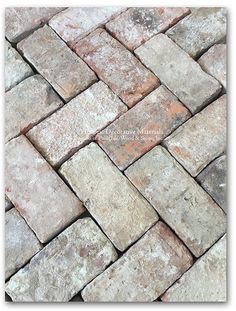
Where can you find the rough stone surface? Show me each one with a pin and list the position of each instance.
(142, 127)
(75, 23)
(178, 199)
(37, 192)
(137, 25)
(123, 214)
(213, 180)
(27, 104)
(16, 69)
(8, 204)
(20, 242)
(200, 30)
(205, 281)
(144, 271)
(54, 60)
(64, 266)
(21, 21)
(116, 66)
(179, 72)
(74, 124)
(201, 139)
(214, 62)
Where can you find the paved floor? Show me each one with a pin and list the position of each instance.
(115, 165)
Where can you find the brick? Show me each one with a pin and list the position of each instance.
(116, 66)
(213, 180)
(8, 204)
(27, 104)
(20, 242)
(37, 192)
(205, 281)
(214, 62)
(73, 24)
(64, 266)
(178, 199)
(16, 69)
(137, 25)
(20, 22)
(144, 271)
(53, 59)
(179, 72)
(120, 210)
(68, 129)
(201, 139)
(200, 30)
(142, 127)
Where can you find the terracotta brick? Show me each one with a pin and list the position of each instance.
(27, 104)
(205, 281)
(142, 127)
(179, 72)
(64, 266)
(137, 25)
(37, 192)
(178, 199)
(54, 60)
(200, 30)
(120, 210)
(201, 139)
(68, 129)
(8, 204)
(116, 66)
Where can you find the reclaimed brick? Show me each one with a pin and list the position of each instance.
(20, 242)
(68, 129)
(120, 210)
(137, 25)
(20, 22)
(64, 266)
(142, 127)
(205, 281)
(179, 72)
(178, 199)
(37, 192)
(16, 69)
(213, 180)
(201, 139)
(144, 272)
(200, 30)
(27, 104)
(116, 66)
(53, 59)
(8, 204)
(73, 24)
(214, 62)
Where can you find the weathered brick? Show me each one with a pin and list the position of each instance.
(200, 30)
(53, 59)
(8, 204)
(74, 124)
(201, 139)
(64, 266)
(117, 206)
(205, 281)
(16, 69)
(178, 199)
(37, 192)
(116, 66)
(144, 272)
(142, 127)
(137, 25)
(75, 23)
(214, 62)
(27, 104)
(21, 21)
(213, 180)
(179, 72)
(20, 242)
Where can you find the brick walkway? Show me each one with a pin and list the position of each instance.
(115, 165)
